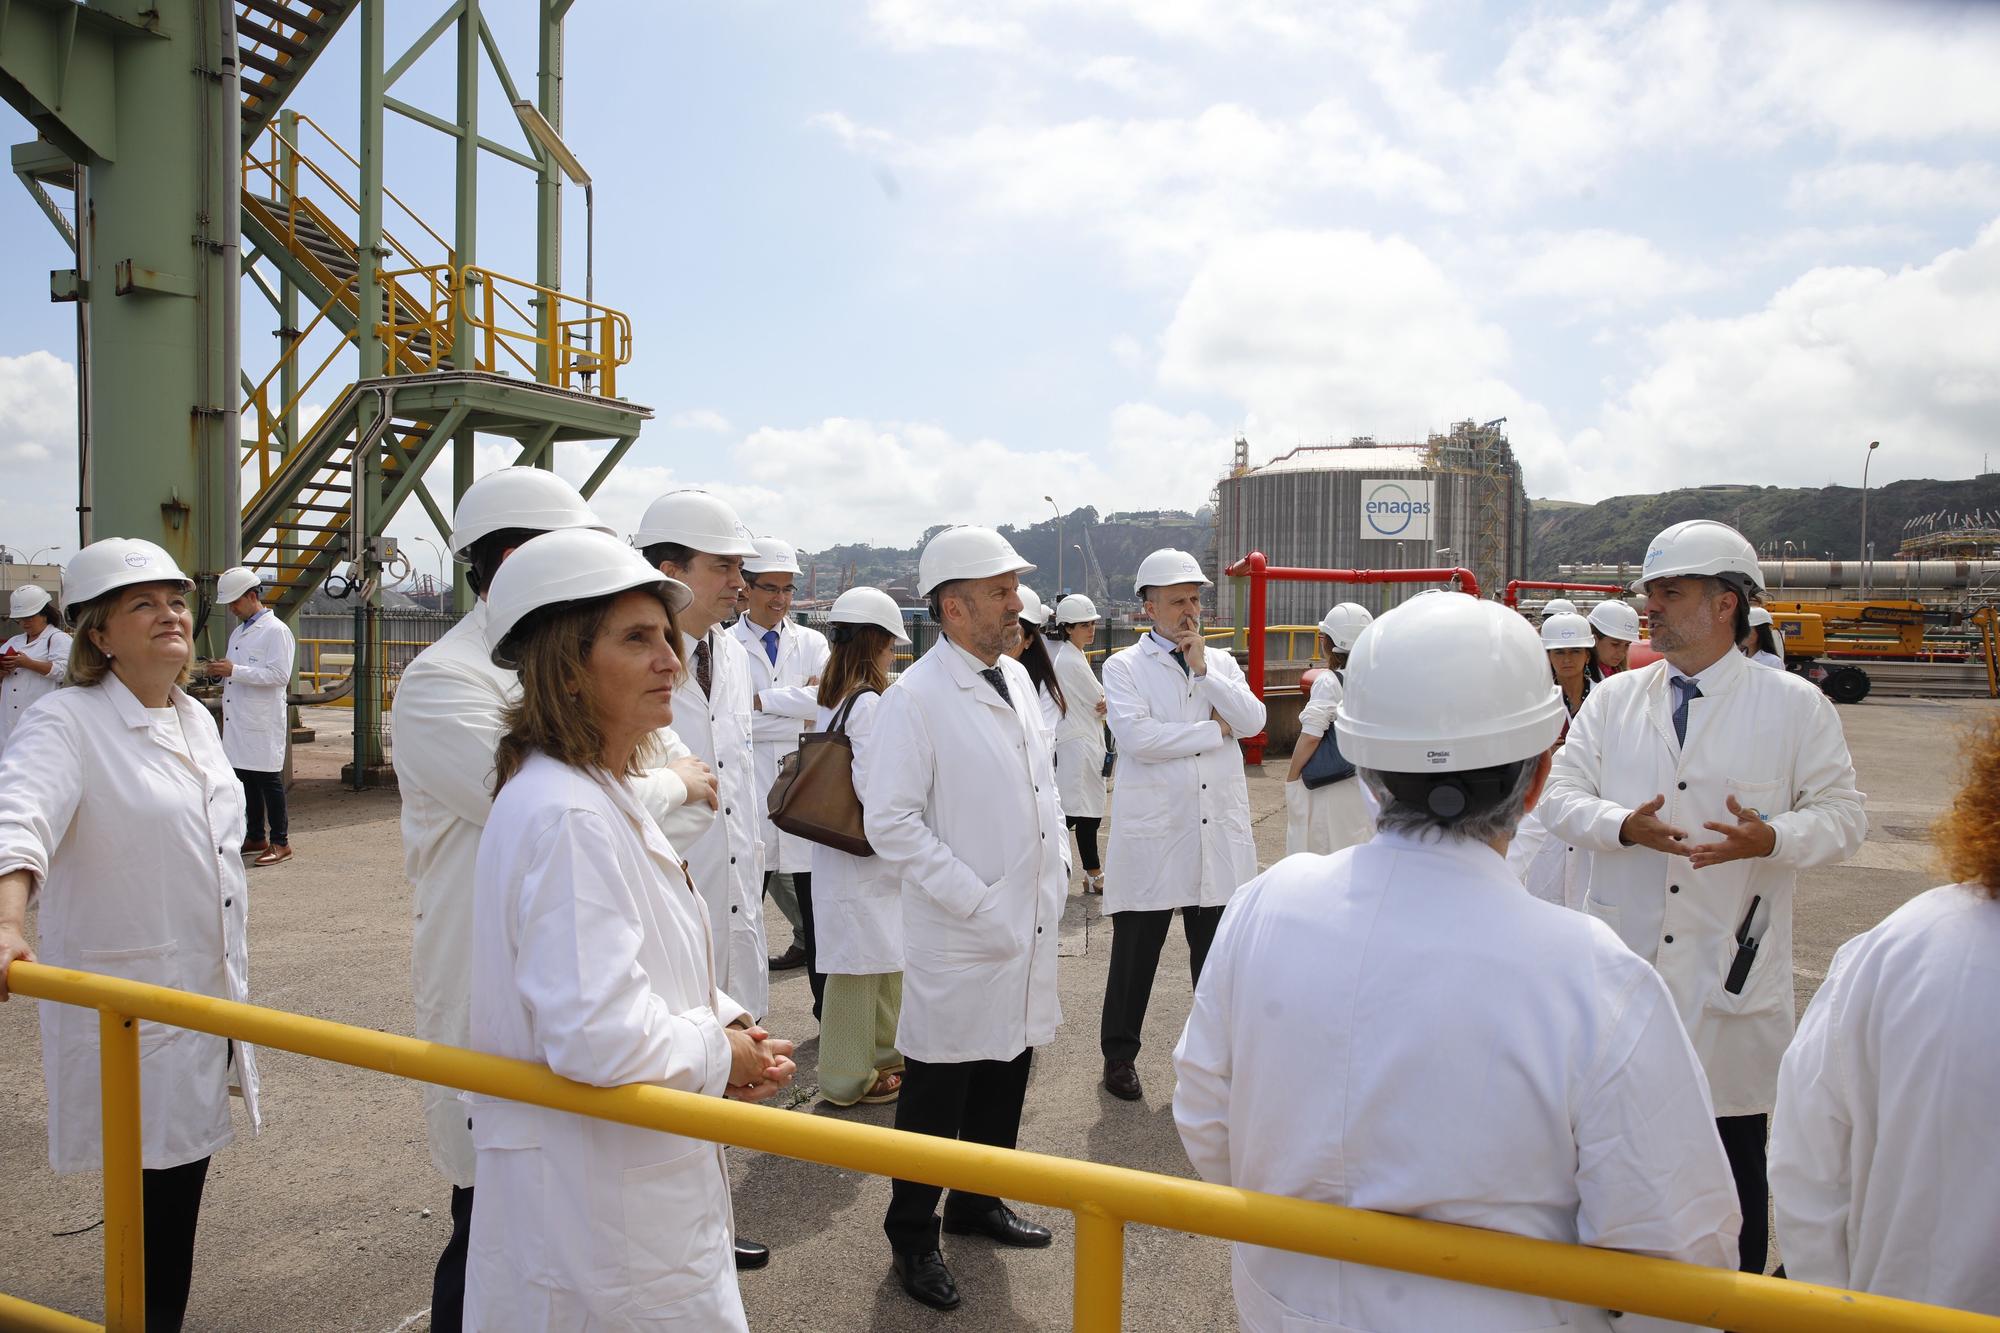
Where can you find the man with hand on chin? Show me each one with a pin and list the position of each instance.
(1703, 786)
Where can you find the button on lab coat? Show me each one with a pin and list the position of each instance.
(857, 900)
(788, 705)
(965, 809)
(1772, 741)
(591, 956)
(447, 723)
(1180, 811)
(21, 687)
(255, 727)
(1397, 1027)
(1080, 736)
(140, 873)
(1883, 1174)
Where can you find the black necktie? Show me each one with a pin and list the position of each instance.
(701, 669)
(1180, 660)
(998, 682)
(1689, 691)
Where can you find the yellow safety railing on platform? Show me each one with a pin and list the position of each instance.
(586, 339)
(1103, 1198)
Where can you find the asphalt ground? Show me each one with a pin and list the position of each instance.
(332, 1219)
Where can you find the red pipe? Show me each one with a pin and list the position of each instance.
(1259, 572)
(1515, 585)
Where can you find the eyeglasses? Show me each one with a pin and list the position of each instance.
(775, 590)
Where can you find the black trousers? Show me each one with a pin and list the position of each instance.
(171, 1203)
(1743, 1140)
(448, 1283)
(802, 885)
(976, 1101)
(1086, 840)
(264, 799)
(1136, 938)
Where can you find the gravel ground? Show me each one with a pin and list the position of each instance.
(333, 1217)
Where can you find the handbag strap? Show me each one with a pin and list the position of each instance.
(837, 725)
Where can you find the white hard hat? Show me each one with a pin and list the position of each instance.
(1076, 609)
(1566, 631)
(1165, 568)
(869, 606)
(1559, 606)
(231, 584)
(1615, 620)
(773, 557)
(115, 562)
(28, 600)
(568, 565)
(1032, 609)
(696, 520)
(1701, 546)
(528, 498)
(1343, 625)
(966, 553)
(1759, 616)
(1415, 702)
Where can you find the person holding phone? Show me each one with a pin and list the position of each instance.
(32, 662)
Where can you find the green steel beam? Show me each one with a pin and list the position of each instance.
(59, 68)
(422, 44)
(413, 466)
(443, 126)
(535, 450)
(548, 188)
(465, 228)
(611, 460)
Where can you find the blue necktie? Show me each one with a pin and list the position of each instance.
(998, 682)
(771, 645)
(1688, 691)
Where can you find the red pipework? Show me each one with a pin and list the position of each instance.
(1514, 586)
(1258, 571)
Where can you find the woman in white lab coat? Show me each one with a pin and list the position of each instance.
(1760, 645)
(118, 807)
(33, 661)
(1549, 867)
(1080, 747)
(1883, 1178)
(1028, 649)
(1332, 815)
(591, 954)
(857, 904)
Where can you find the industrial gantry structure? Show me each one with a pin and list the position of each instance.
(164, 124)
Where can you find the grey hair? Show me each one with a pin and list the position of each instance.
(1499, 820)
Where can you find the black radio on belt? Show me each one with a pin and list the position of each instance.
(1746, 952)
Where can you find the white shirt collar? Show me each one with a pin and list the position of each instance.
(1166, 645)
(968, 658)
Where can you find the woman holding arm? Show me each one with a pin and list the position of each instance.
(1080, 747)
(33, 661)
(1329, 817)
(121, 761)
(591, 954)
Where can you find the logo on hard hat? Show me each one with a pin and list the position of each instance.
(1390, 509)
(138, 561)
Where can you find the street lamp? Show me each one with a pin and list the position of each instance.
(40, 549)
(1866, 459)
(1059, 541)
(538, 128)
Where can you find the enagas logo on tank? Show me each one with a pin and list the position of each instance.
(1396, 509)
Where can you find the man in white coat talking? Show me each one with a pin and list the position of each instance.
(961, 799)
(1180, 812)
(1398, 1027)
(446, 721)
(1702, 785)
(255, 671)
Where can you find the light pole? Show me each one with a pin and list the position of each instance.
(40, 549)
(543, 133)
(1866, 459)
(1059, 542)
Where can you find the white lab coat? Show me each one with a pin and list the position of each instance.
(1883, 1174)
(1180, 812)
(967, 814)
(591, 955)
(1548, 867)
(255, 725)
(728, 860)
(856, 900)
(1080, 736)
(788, 705)
(1468, 1055)
(1772, 741)
(446, 723)
(140, 874)
(1334, 816)
(1776, 663)
(21, 687)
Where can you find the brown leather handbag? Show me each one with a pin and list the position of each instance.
(814, 796)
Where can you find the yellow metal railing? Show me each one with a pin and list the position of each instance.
(1103, 1198)
(586, 339)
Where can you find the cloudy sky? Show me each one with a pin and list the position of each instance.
(919, 261)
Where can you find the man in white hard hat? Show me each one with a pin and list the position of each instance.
(785, 661)
(968, 813)
(1397, 1027)
(1180, 812)
(446, 720)
(256, 671)
(1701, 786)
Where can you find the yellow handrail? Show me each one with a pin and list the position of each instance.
(595, 342)
(1104, 1198)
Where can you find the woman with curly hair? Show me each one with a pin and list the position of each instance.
(1881, 1170)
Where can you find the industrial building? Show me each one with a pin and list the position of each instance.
(1454, 499)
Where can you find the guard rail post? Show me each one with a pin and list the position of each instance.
(1099, 1297)
(1254, 564)
(124, 1187)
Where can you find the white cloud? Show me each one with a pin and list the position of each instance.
(38, 445)
(1596, 271)
(699, 418)
(1897, 187)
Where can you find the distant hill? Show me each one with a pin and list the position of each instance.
(1822, 522)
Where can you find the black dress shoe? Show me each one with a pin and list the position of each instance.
(1000, 1223)
(1121, 1079)
(749, 1254)
(793, 956)
(926, 1279)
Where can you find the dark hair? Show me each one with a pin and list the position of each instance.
(1742, 606)
(486, 554)
(855, 663)
(1765, 641)
(1041, 669)
(1592, 670)
(668, 553)
(51, 612)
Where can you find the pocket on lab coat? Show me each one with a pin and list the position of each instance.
(1765, 989)
(676, 1228)
(152, 964)
(1766, 798)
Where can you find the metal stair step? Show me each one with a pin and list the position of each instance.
(285, 14)
(271, 37)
